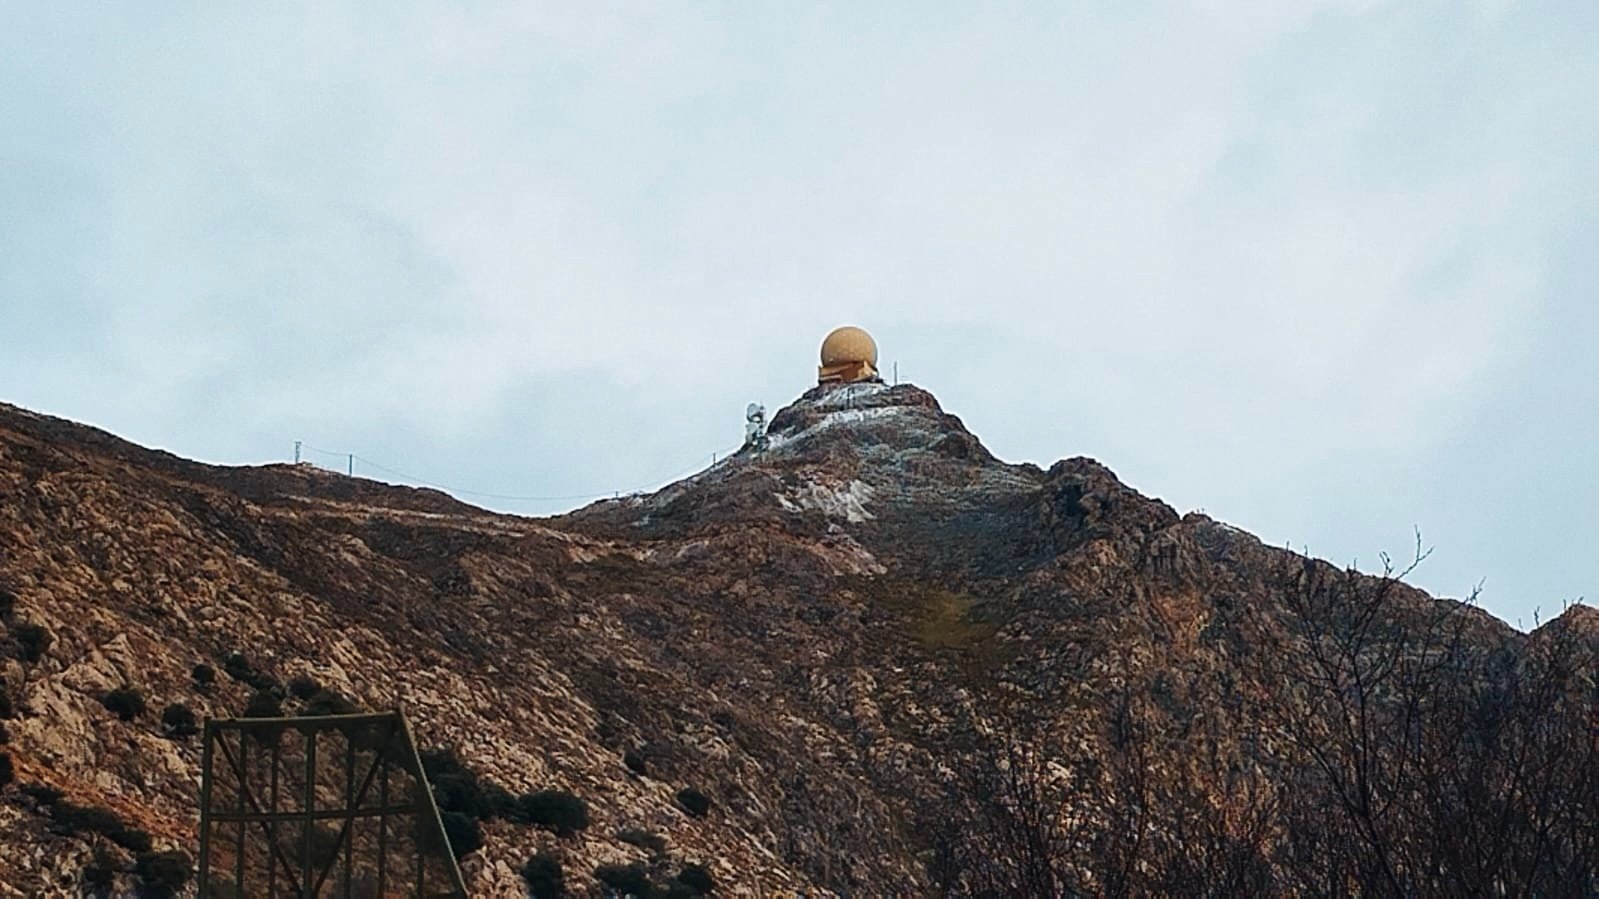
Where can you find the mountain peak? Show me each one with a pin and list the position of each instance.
(852, 453)
(876, 422)
(886, 469)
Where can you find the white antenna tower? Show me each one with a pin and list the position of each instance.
(755, 426)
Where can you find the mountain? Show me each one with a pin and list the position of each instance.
(832, 637)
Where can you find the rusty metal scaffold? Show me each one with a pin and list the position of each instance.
(327, 806)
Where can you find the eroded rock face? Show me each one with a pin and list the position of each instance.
(802, 633)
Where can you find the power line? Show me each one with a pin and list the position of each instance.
(421, 482)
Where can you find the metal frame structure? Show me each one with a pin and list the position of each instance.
(349, 786)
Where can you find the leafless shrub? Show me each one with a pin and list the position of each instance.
(1393, 745)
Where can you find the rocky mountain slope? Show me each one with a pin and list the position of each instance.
(813, 635)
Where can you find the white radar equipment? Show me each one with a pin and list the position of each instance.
(755, 426)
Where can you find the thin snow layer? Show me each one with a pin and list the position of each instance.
(843, 397)
(833, 420)
(847, 502)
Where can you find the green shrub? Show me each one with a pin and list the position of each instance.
(263, 704)
(624, 880)
(163, 874)
(7, 772)
(697, 877)
(554, 810)
(464, 834)
(34, 641)
(643, 839)
(303, 686)
(634, 761)
(125, 702)
(203, 675)
(178, 721)
(694, 802)
(498, 802)
(239, 668)
(43, 795)
(100, 874)
(458, 788)
(7, 710)
(70, 818)
(133, 839)
(544, 878)
(326, 702)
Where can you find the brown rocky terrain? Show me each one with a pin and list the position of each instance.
(821, 636)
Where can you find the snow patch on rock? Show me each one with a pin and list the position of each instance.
(832, 420)
(847, 502)
(842, 397)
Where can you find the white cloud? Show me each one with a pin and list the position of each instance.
(1227, 245)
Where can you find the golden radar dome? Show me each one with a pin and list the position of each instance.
(848, 354)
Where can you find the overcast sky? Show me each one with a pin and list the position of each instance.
(1324, 270)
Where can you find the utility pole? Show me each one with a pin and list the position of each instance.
(351, 470)
(296, 452)
(896, 374)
